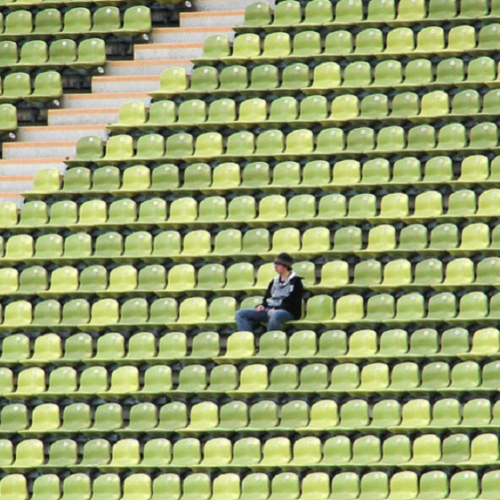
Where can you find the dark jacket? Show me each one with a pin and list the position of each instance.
(292, 303)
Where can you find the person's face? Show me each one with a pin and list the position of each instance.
(279, 268)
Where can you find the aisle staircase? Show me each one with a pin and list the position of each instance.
(88, 113)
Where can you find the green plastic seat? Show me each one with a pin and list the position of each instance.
(245, 46)
(14, 418)
(166, 484)
(8, 381)
(318, 12)
(450, 71)
(325, 77)
(136, 20)
(19, 23)
(369, 41)
(284, 109)
(411, 10)
(270, 142)
(357, 74)
(77, 20)
(9, 53)
(14, 486)
(488, 35)
(400, 40)
(276, 46)
(483, 136)
(258, 14)
(173, 80)
(216, 46)
(233, 78)
(339, 42)
(481, 69)
(106, 19)
(161, 113)
(17, 86)
(434, 484)
(361, 139)
(9, 280)
(33, 214)
(203, 79)
(63, 52)
(91, 53)
(442, 306)
(306, 44)
(106, 486)
(375, 106)
(405, 104)
(264, 77)
(188, 452)
(287, 14)
(461, 38)
(222, 111)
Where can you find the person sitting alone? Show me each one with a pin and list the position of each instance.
(282, 301)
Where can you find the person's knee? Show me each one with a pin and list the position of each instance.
(242, 313)
(275, 318)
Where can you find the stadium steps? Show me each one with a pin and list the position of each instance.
(88, 114)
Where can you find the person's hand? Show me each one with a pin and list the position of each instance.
(270, 311)
(260, 308)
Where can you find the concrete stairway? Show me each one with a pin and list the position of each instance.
(88, 114)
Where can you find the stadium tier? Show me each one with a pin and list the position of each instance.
(204, 146)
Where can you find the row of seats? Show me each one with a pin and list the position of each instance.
(144, 347)
(297, 144)
(108, 20)
(280, 46)
(196, 113)
(277, 453)
(124, 280)
(268, 211)
(268, 80)
(127, 279)
(37, 54)
(378, 378)
(45, 86)
(233, 244)
(320, 13)
(240, 277)
(60, 5)
(135, 313)
(265, 416)
(407, 485)
(260, 176)
(473, 307)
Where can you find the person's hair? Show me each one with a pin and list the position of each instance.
(284, 259)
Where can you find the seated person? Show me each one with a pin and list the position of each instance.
(282, 301)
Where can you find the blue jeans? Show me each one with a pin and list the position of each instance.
(245, 319)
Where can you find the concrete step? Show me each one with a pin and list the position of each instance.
(16, 184)
(174, 51)
(82, 116)
(32, 150)
(124, 84)
(144, 67)
(12, 198)
(186, 35)
(102, 100)
(217, 5)
(210, 19)
(30, 167)
(53, 133)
